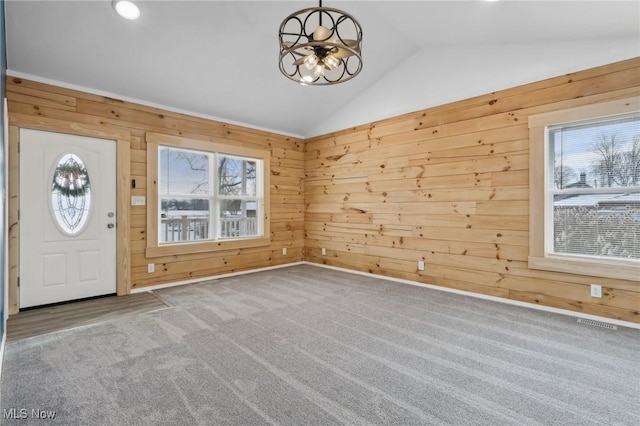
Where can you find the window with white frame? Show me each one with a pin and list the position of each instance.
(585, 190)
(593, 188)
(207, 196)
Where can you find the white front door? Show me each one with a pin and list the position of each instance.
(67, 217)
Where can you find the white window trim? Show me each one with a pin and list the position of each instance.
(540, 232)
(154, 249)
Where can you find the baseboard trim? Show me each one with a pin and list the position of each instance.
(213, 277)
(402, 281)
(486, 297)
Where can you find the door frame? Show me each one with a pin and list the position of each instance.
(123, 177)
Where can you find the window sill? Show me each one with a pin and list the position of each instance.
(579, 266)
(205, 247)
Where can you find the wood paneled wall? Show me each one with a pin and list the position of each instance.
(447, 185)
(29, 100)
(450, 185)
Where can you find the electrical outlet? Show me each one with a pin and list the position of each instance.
(420, 265)
(284, 251)
(151, 268)
(596, 290)
(324, 251)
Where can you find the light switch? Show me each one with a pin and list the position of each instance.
(138, 200)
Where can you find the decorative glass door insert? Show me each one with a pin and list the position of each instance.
(71, 194)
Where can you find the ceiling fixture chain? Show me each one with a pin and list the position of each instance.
(320, 46)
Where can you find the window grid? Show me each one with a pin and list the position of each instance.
(582, 219)
(216, 229)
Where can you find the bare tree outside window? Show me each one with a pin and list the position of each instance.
(183, 172)
(563, 176)
(618, 160)
(607, 167)
(185, 196)
(597, 213)
(237, 190)
(206, 194)
(236, 176)
(629, 169)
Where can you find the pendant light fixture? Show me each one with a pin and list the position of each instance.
(320, 46)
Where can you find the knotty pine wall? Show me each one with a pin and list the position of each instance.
(449, 185)
(29, 98)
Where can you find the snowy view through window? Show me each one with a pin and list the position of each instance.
(192, 208)
(594, 179)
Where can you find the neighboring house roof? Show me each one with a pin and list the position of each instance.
(582, 183)
(593, 200)
(578, 185)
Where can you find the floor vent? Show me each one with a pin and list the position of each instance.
(597, 323)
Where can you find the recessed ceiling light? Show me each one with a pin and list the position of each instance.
(126, 9)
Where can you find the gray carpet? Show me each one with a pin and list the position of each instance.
(307, 345)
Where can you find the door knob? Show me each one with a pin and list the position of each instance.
(110, 225)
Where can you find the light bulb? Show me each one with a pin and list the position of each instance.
(318, 71)
(126, 9)
(310, 61)
(331, 61)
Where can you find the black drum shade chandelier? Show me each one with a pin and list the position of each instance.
(320, 46)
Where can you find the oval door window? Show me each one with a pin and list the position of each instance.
(71, 194)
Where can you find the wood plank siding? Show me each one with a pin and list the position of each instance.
(55, 108)
(450, 186)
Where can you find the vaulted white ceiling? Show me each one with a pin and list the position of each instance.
(218, 59)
